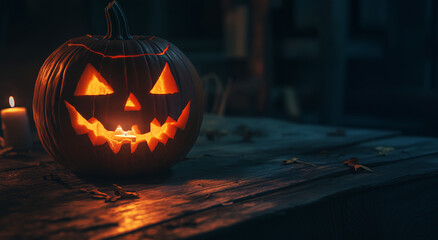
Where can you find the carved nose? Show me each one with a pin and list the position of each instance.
(132, 103)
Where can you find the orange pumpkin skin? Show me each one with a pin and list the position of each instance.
(131, 66)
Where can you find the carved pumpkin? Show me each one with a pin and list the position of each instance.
(118, 105)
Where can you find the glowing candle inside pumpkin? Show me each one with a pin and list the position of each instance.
(15, 126)
(122, 135)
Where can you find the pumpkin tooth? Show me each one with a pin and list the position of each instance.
(136, 130)
(156, 122)
(163, 138)
(170, 120)
(81, 130)
(99, 140)
(92, 137)
(152, 143)
(134, 147)
(80, 124)
(170, 130)
(119, 130)
(116, 148)
(182, 120)
(155, 128)
(99, 128)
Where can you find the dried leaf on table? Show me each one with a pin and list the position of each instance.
(383, 151)
(354, 163)
(351, 162)
(119, 191)
(296, 160)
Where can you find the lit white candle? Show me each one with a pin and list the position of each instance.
(122, 135)
(15, 126)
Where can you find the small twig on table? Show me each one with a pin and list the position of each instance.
(296, 160)
(231, 202)
(119, 192)
(95, 193)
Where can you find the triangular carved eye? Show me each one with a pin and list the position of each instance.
(92, 83)
(166, 83)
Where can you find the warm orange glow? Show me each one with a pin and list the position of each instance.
(124, 135)
(166, 83)
(15, 111)
(119, 56)
(99, 135)
(132, 103)
(92, 83)
(11, 102)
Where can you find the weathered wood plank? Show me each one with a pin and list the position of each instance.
(23, 160)
(397, 202)
(226, 180)
(216, 174)
(275, 134)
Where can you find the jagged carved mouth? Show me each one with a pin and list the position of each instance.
(99, 135)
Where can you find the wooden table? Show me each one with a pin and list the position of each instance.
(234, 185)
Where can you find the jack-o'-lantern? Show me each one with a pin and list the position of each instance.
(117, 105)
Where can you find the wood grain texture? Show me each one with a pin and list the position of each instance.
(232, 185)
(343, 207)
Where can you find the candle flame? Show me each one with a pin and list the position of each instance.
(11, 101)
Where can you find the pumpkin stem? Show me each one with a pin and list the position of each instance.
(116, 22)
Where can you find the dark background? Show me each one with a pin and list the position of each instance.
(363, 63)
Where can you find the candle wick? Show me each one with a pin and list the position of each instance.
(126, 134)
